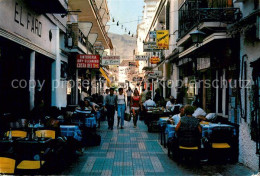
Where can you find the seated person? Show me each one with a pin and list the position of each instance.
(188, 129)
(170, 103)
(199, 113)
(176, 118)
(83, 107)
(149, 103)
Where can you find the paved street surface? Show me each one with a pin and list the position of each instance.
(134, 151)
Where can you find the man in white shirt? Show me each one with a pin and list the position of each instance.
(176, 118)
(149, 103)
(170, 103)
(199, 113)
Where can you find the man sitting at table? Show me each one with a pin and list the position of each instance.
(149, 102)
(176, 118)
(199, 113)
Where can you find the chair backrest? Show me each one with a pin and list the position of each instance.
(7, 165)
(45, 133)
(221, 134)
(17, 133)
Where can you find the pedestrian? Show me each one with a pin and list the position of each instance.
(121, 106)
(135, 106)
(104, 104)
(111, 104)
(129, 95)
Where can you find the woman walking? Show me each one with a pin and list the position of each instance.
(135, 106)
(121, 105)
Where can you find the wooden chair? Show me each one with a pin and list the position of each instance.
(17, 133)
(7, 165)
(30, 165)
(46, 133)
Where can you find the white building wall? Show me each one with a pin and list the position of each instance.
(247, 147)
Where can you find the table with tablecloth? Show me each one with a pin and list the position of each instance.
(71, 131)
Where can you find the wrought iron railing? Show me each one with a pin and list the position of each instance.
(191, 15)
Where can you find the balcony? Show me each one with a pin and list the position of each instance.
(48, 6)
(193, 13)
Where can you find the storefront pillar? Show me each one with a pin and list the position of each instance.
(32, 79)
(56, 67)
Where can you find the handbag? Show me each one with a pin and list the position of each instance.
(127, 115)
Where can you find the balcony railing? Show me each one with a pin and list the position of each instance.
(191, 15)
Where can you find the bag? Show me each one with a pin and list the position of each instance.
(127, 115)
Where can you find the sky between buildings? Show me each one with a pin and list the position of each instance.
(127, 12)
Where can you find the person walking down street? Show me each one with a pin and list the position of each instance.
(135, 106)
(121, 106)
(111, 104)
(129, 95)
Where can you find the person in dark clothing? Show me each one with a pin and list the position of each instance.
(188, 129)
(111, 105)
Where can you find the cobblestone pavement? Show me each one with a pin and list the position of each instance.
(134, 151)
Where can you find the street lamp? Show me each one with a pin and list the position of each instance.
(197, 37)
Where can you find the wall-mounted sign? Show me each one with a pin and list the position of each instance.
(132, 64)
(110, 60)
(98, 46)
(150, 47)
(154, 74)
(154, 60)
(141, 58)
(88, 61)
(162, 40)
(152, 35)
(203, 63)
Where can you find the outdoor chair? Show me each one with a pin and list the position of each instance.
(17, 133)
(7, 165)
(46, 133)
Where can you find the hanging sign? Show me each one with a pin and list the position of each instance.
(154, 60)
(88, 61)
(162, 40)
(150, 47)
(141, 58)
(152, 34)
(154, 74)
(110, 60)
(203, 63)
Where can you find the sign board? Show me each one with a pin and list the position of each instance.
(152, 34)
(154, 74)
(203, 63)
(98, 46)
(162, 40)
(141, 58)
(137, 78)
(150, 47)
(88, 61)
(132, 64)
(110, 60)
(154, 60)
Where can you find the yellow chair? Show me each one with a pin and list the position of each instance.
(17, 133)
(220, 146)
(187, 152)
(7, 165)
(204, 123)
(188, 148)
(45, 133)
(30, 164)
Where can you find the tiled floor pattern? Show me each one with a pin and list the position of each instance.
(134, 151)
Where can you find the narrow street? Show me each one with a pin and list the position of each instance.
(134, 151)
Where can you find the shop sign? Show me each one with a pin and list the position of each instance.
(154, 60)
(184, 61)
(152, 34)
(154, 74)
(132, 64)
(203, 63)
(98, 46)
(88, 61)
(150, 47)
(162, 40)
(110, 60)
(141, 58)
(137, 79)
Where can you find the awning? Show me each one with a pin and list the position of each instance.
(47, 6)
(105, 76)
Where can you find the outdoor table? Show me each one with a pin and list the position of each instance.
(91, 122)
(71, 131)
(163, 122)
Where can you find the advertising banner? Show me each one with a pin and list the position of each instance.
(154, 60)
(110, 60)
(141, 58)
(162, 40)
(88, 61)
